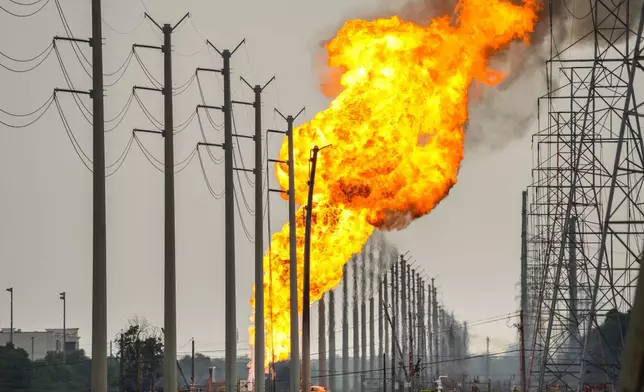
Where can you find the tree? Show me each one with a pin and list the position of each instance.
(56, 374)
(140, 347)
(202, 366)
(14, 368)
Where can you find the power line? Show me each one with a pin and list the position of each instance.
(28, 14)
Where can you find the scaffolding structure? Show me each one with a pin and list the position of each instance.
(585, 224)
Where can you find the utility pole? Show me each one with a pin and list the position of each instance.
(322, 340)
(487, 360)
(356, 325)
(429, 331)
(192, 373)
(403, 286)
(260, 384)
(170, 287)
(383, 305)
(64, 299)
(99, 252)
(522, 342)
(306, 306)
(384, 371)
(345, 328)
(394, 332)
(381, 339)
(333, 383)
(295, 339)
(121, 364)
(435, 328)
(10, 291)
(32, 349)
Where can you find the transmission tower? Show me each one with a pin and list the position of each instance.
(584, 233)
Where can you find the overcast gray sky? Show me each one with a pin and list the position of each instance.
(470, 242)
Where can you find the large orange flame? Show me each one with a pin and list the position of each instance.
(396, 132)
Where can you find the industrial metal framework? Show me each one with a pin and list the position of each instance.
(584, 232)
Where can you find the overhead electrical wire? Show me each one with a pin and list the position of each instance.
(135, 28)
(28, 14)
(77, 148)
(26, 4)
(70, 84)
(82, 59)
(156, 123)
(205, 140)
(182, 164)
(42, 56)
(213, 193)
(145, 70)
(41, 110)
(123, 67)
(216, 126)
(241, 217)
(241, 156)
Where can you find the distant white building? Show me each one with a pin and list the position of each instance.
(38, 343)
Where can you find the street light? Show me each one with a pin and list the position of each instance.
(10, 291)
(62, 297)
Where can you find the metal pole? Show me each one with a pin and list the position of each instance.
(522, 331)
(393, 354)
(192, 373)
(332, 365)
(260, 384)
(345, 329)
(363, 309)
(435, 328)
(403, 310)
(99, 257)
(231, 309)
(122, 364)
(295, 346)
(306, 305)
(384, 371)
(394, 325)
(356, 324)
(170, 289)
(32, 349)
(524, 251)
(372, 334)
(380, 325)
(63, 297)
(322, 340)
(430, 335)
(385, 294)
(10, 291)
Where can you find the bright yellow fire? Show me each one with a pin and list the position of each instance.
(396, 131)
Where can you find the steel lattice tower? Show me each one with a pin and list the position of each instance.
(585, 219)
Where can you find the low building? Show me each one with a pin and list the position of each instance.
(38, 343)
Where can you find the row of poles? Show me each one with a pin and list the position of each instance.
(99, 258)
(414, 333)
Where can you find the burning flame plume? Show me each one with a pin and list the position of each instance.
(396, 131)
